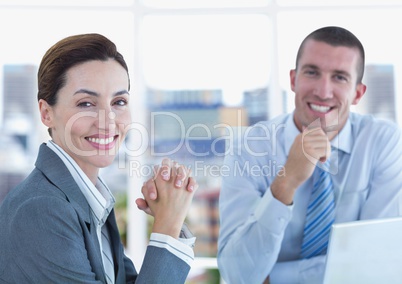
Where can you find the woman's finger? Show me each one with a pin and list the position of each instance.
(180, 176)
(165, 169)
(192, 184)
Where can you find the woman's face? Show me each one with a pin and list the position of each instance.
(92, 115)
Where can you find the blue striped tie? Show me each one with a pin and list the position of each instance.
(320, 215)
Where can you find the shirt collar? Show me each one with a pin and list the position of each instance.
(291, 132)
(343, 141)
(99, 197)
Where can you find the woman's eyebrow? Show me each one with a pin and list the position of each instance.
(92, 93)
(85, 91)
(122, 92)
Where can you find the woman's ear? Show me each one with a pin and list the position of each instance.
(46, 113)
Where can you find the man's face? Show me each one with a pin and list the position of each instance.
(325, 85)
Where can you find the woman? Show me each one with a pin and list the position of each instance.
(58, 226)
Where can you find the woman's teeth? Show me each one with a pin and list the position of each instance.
(101, 141)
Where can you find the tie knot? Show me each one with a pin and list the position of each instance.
(323, 167)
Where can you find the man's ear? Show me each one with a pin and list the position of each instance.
(46, 113)
(360, 90)
(292, 75)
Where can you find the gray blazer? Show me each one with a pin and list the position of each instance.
(47, 235)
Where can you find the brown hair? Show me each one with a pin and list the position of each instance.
(68, 52)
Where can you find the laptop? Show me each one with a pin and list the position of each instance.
(366, 252)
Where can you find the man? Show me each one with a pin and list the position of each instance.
(265, 200)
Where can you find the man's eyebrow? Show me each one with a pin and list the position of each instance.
(310, 66)
(95, 94)
(343, 73)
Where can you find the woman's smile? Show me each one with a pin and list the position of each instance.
(105, 143)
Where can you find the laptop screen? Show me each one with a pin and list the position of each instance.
(368, 251)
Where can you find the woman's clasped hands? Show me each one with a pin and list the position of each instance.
(168, 196)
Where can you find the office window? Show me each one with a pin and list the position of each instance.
(70, 3)
(194, 4)
(202, 72)
(338, 3)
(226, 52)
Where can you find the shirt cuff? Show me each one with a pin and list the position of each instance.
(186, 236)
(179, 248)
(278, 221)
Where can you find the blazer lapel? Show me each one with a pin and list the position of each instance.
(116, 247)
(57, 173)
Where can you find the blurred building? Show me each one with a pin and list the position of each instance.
(380, 99)
(204, 218)
(13, 164)
(189, 124)
(17, 144)
(256, 104)
(19, 91)
(183, 99)
(193, 127)
(20, 104)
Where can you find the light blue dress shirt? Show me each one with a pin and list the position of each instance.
(260, 236)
